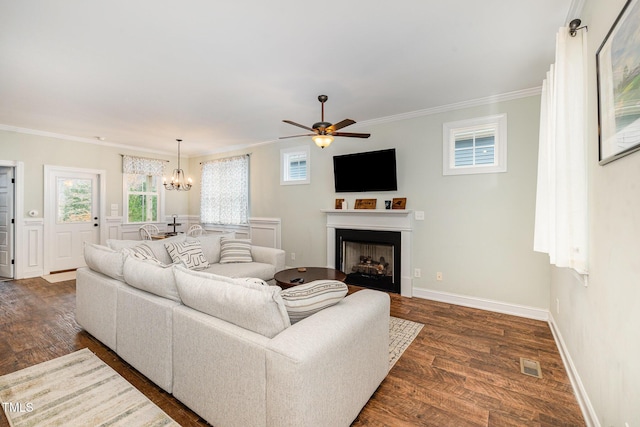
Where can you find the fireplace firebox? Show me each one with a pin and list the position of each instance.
(370, 258)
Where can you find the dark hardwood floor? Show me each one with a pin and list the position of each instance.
(463, 369)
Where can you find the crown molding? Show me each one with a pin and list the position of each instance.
(46, 134)
(525, 93)
(575, 10)
(397, 117)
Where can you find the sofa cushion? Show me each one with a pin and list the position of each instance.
(151, 276)
(104, 260)
(254, 307)
(189, 253)
(211, 245)
(235, 250)
(244, 269)
(304, 300)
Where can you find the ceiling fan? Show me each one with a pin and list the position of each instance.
(323, 132)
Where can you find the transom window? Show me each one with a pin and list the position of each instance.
(475, 146)
(295, 165)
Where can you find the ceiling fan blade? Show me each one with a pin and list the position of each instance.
(352, 135)
(299, 125)
(340, 125)
(297, 136)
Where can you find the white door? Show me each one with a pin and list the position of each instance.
(74, 205)
(6, 222)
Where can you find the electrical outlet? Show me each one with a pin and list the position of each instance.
(419, 215)
(439, 276)
(558, 305)
(417, 272)
(293, 256)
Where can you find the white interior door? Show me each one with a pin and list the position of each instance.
(6, 222)
(73, 216)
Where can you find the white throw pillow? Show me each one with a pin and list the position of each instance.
(189, 253)
(152, 276)
(254, 307)
(304, 300)
(104, 260)
(235, 250)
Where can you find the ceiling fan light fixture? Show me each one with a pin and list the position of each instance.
(322, 141)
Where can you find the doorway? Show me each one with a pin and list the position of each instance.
(73, 203)
(7, 222)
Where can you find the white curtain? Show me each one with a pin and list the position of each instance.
(224, 194)
(561, 199)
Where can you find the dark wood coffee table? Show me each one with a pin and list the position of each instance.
(283, 278)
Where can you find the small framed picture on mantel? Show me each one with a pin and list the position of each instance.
(399, 203)
(366, 203)
(340, 203)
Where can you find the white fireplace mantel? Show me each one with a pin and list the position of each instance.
(374, 219)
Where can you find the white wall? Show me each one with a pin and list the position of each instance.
(36, 151)
(599, 323)
(477, 230)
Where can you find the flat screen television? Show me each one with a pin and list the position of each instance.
(370, 171)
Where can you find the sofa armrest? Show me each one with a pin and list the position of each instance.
(267, 255)
(323, 369)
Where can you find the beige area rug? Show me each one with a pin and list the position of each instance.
(78, 389)
(401, 333)
(60, 277)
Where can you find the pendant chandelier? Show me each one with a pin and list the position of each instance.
(178, 179)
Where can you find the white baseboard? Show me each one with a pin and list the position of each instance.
(483, 304)
(589, 414)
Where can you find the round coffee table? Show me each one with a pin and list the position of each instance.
(283, 278)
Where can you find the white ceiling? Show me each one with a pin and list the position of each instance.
(226, 73)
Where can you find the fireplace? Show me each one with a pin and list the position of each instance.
(370, 258)
(375, 220)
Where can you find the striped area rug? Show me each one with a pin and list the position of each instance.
(78, 389)
(401, 333)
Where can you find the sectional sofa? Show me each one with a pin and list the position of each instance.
(225, 346)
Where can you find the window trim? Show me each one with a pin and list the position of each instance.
(449, 131)
(125, 202)
(285, 154)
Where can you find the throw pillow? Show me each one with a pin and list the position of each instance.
(104, 260)
(141, 252)
(304, 300)
(252, 280)
(152, 276)
(235, 250)
(254, 307)
(189, 253)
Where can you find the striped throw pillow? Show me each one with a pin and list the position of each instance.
(304, 300)
(141, 252)
(235, 250)
(189, 253)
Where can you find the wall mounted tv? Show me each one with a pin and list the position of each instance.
(370, 171)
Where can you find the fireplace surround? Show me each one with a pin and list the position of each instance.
(394, 220)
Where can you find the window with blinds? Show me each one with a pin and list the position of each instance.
(295, 165)
(475, 146)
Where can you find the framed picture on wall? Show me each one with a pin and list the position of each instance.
(618, 73)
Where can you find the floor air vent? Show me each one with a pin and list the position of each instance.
(530, 367)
